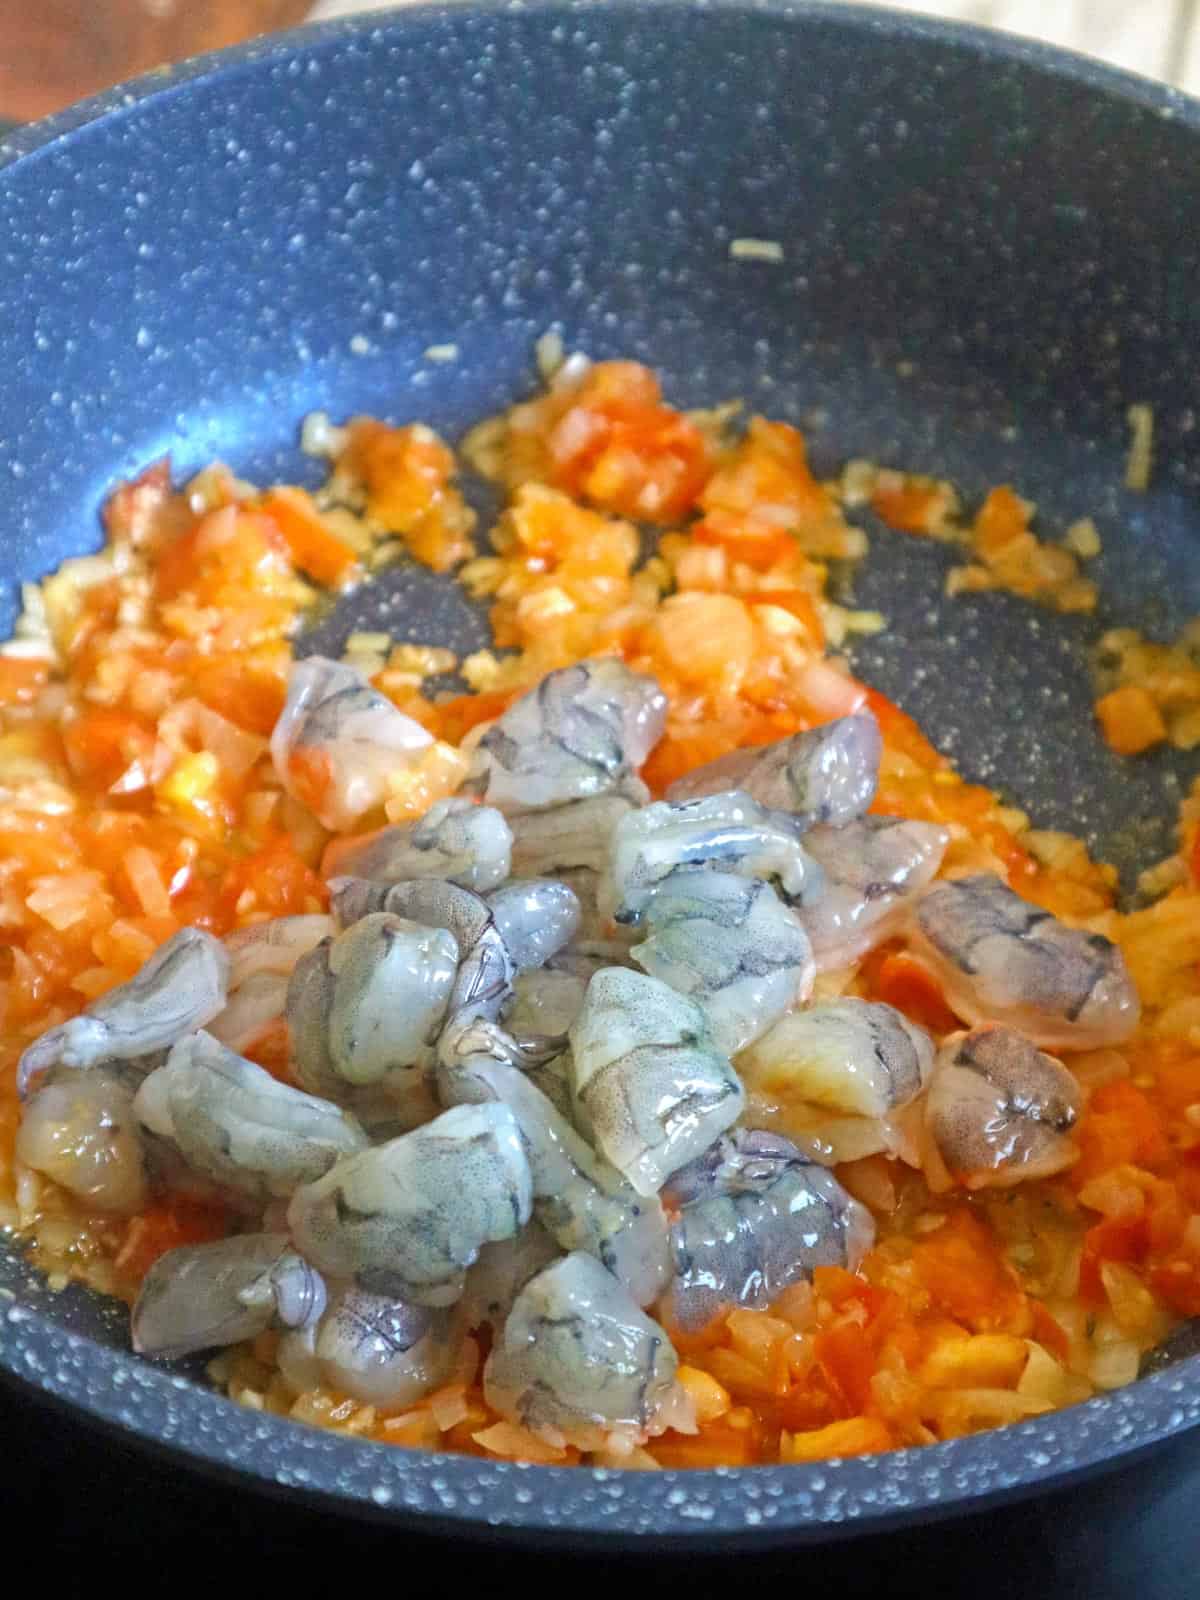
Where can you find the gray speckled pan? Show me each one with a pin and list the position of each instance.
(989, 250)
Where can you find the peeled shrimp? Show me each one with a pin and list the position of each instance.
(584, 730)
(756, 1215)
(999, 1111)
(456, 840)
(576, 1359)
(728, 831)
(1001, 959)
(483, 985)
(78, 1128)
(372, 1347)
(536, 918)
(409, 1217)
(653, 1088)
(236, 1125)
(545, 1002)
(853, 1057)
(262, 958)
(567, 837)
(367, 1006)
(400, 1103)
(502, 1271)
(873, 870)
(204, 1295)
(553, 1078)
(338, 742)
(485, 970)
(274, 946)
(826, 775)
(180, 988)
(580, 1200)
(729, 944)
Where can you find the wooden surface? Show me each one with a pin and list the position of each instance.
(55, 51)
(1158, 38)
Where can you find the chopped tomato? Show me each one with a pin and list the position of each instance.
(848, 1359)
(856, 1436)
(276, 881)
(20, 679)
(901, 732)
(1130, 720)
(801, 605)
(1002, 518)
(164, 1227)
(717, 1444)
(912, 505)
(759, 547)
(1049, 1332)
(314, 549)
(272, 1052)
(456, 717)
(1114, 1239)
(1178, 1283)
(906, 983)
(961, 1267)
(104, 746)
(1121, 1126)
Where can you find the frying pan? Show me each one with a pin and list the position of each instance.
(989, 250)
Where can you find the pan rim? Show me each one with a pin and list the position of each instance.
(166, 1411)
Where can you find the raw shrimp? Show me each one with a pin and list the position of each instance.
(553, 1078)
(338, 742)
(536, 918)
(399, 1104)
(262, 959)
(826, 775)
(483, 985)
(485, 971)
(203, 1295)
(367, 1006)
(581, 1201)
(545, 1002)
(274, 946)
(853, 1057)
(78, 1128)
(409, 1217)
(648, 1080)
(236, 1125)
(873, 870)
(502, 1271)
(755, 1215)
(583, 730)
(999, 1110)
(180, 988)
(576, 1360)
(1001, 959)
(728, 831)
(732, 946)
(374, 1348)
(456, 840)
(253, 1008)
(568, 837)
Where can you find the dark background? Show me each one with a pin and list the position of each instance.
(104, 1512)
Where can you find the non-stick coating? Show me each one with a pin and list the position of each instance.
(989, 251)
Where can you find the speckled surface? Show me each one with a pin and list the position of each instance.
(989, 251)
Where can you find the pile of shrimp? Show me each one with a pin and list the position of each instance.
(654, 1056)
